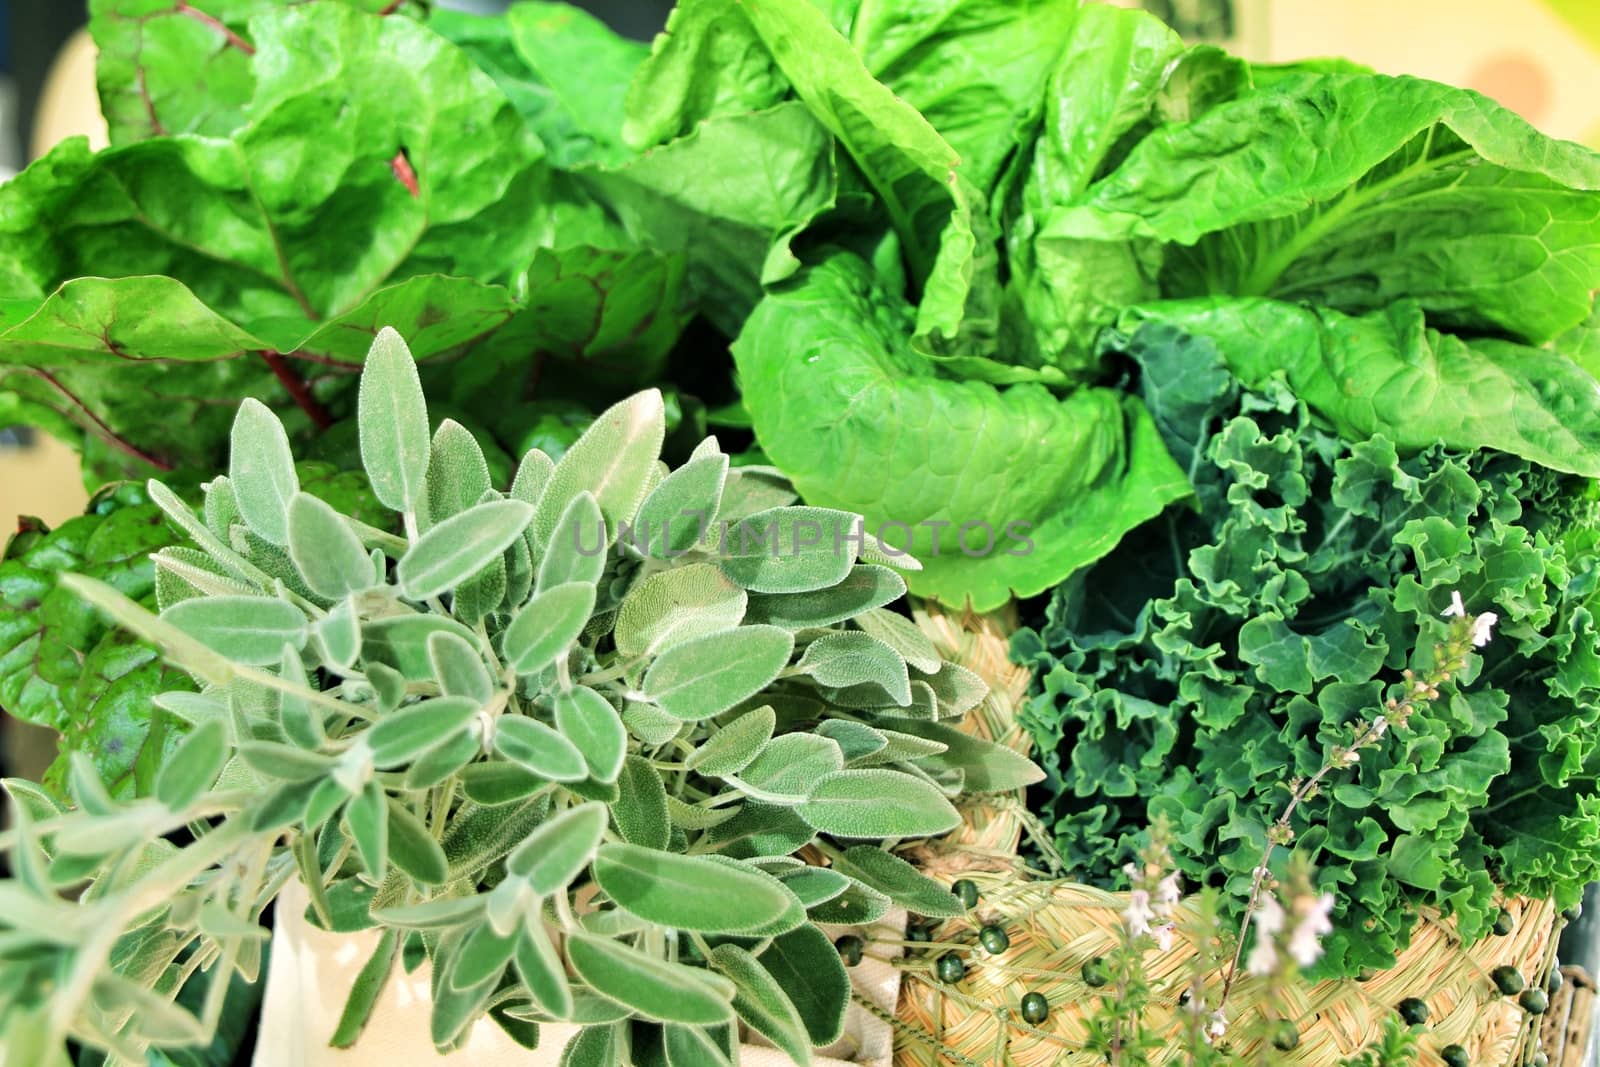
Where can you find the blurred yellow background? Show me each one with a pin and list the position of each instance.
(1538, 57)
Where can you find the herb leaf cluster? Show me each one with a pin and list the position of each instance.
(594, 770)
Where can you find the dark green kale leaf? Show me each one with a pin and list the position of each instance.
(1219, 653)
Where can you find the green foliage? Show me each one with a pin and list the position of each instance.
(1219, 654)
(576, 827)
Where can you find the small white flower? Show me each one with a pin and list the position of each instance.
(1217, 1027)
(1380, 726)
(1269, 921)
(1139, 913)
(1163, 936)
(1481, 627)
(1456, 610)
(1263, 958)
(1168, 892)
(1305, 945)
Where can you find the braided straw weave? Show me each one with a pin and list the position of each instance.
(1055, 926)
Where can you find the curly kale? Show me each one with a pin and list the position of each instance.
(1222, 651)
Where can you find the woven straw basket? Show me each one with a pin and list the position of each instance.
(1056, 926)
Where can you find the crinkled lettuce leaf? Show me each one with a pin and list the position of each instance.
(859, 421)
(1388, 373)
(1357, 190)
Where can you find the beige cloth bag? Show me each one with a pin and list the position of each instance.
(312, 971)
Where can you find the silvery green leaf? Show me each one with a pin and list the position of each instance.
(412, 848)
(704, 677)
(865, 587)
(874, 550)
(301, 724)
(246, 629)
(401, 642)
(576, 548)
(877, 804)
(593, 1046)
(324, 800)
(902, 635)
(191, 768)
(924, 705)
(649, 724)
(547, 626)
(899, 881)
(533, 474)
(439, 764)
(367, 819)
(403, 735)
(217, 922)
(790, 549)
(193, 708)
(283, 805)
(261, 471)
(558, 851)
(613, 460)
(987, 767)
(542, 972)
(483, 958)
(438, 914)
(850, 658)
(856, 906)
(326, 550)
(688, 892)
(458, 474)
(807, 967)
(640, 810)
(653, 987)
(588, 720)
(693, 1046)
(678, 513)
(762, 1003)
(392, 420)
(85, 786)
(518, 562)
(453, 1009)
(730, 748)
(677, 605)
(496, 783)
(183, 573)
(789, 767)
(459, 667)
(338, 635)
(539, 748)
(856, 740)
(695, 817)
(151, 1016)
(814, 885)
(388, 684)
(220, 507)
(902, 746)
(957, 689)
(364, 992)
(460, 546)
(212, 544)
(507, 905)
(288, 763)
(750, 490)
(482, 594)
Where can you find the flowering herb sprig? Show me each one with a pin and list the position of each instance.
(1307, 918)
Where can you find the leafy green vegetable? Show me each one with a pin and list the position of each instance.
(479, 761)
(1020, 487)
(1220, 651)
